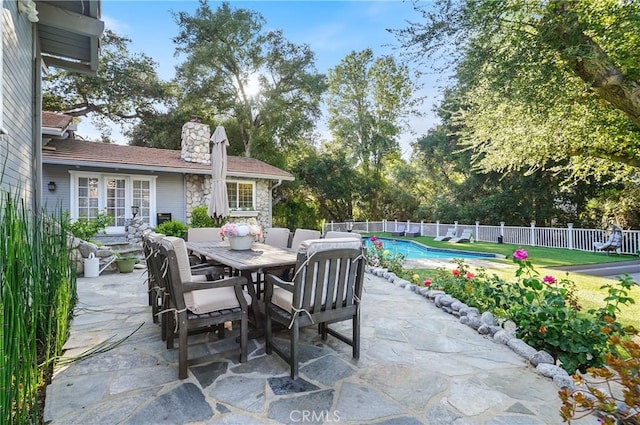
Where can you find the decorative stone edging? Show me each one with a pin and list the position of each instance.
(485, 324)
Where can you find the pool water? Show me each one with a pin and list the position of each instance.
(416, 251)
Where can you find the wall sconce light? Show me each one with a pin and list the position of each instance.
(135, 210)
(28, 7)
(52, 186)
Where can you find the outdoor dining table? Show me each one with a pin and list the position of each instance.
(259, 259)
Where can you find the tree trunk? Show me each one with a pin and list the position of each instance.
(587, 59)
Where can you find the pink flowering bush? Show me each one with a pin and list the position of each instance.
(377, 256)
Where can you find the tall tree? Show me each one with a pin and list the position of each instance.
(544, 81)
(369, 101)
(125, 89)
(257, 78)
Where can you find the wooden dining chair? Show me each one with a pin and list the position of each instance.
(196, 305)
(326, 288)
(301, 235)
(277, 236)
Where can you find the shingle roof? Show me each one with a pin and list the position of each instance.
(53, 120)
(96, 154)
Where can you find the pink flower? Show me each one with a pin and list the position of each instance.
(520, 254)
(549, 280)
(373, 239)
(470, 275)
(427, 282)
(379, 244)
(455, 272)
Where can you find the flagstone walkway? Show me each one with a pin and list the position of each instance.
(418, 365)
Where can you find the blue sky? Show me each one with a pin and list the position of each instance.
(331, 28)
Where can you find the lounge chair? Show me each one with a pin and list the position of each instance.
(451, 233)
(413, 231)
(612, 244)
(326, 288)
(400, 229)
(464, 237)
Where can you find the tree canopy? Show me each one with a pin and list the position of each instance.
(542, 82)
(125, 89)
(233, 67)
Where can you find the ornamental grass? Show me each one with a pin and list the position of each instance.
(38, 293)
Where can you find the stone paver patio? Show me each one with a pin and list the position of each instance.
(418, 365)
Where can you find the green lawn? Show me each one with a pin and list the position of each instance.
(588, 287)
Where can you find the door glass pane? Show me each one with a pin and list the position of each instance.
(116, 200)
(88, 197)
(142, 198)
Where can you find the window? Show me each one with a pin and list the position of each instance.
(113, 194)
(241, 195)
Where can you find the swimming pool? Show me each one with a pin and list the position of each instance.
(416, 251)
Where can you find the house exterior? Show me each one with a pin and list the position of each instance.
(64, 34)
(90, 177)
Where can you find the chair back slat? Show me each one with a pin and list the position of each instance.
(327, 280)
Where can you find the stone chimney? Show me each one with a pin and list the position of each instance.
(195, 141)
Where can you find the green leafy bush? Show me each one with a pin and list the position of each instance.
(200, 217)
(172, 228)
(612, 407)
(545, 310)
(87, 229)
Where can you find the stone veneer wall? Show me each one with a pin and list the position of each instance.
(195, 143)
(199, 193)
(195, 148)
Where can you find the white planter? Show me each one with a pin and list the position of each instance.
(241, 243)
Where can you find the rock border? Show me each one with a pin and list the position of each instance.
(486, 325)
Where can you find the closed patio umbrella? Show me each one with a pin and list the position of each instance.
(219, 204)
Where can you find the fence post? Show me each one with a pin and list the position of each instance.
(331, 225)
(533, 233)
(477, 230)
(455, 226)
(437, 228)
(421, 223)
(570, 235)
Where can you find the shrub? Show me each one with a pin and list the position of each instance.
(622, 373)
(377, 256)
(172, 228)
(87, 229)
(545, 310)
(200, 217)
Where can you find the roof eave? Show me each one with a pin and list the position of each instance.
(119, 166)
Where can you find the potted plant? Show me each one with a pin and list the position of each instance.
(241, 235)
(126, 264)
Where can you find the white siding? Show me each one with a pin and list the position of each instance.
(19, 115)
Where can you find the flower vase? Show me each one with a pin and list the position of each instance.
(241, 243)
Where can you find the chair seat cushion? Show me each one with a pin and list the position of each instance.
(208, 300)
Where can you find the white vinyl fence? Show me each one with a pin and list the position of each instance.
(552, 237)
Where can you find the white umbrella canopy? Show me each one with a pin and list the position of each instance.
(219, 204)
